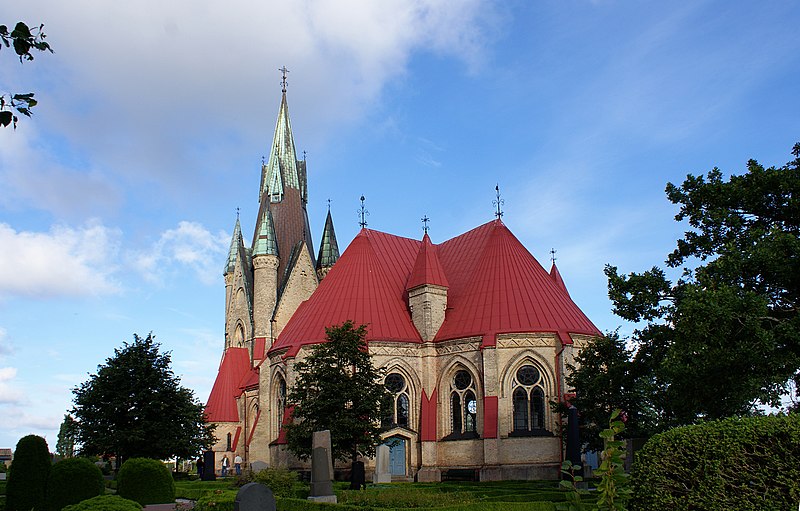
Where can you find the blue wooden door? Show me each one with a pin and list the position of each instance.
(397, 456)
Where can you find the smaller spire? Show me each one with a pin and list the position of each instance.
(236, 239)
(498, 203)
(363, 214)
(427, 267)
(266, 242)
(328, 247)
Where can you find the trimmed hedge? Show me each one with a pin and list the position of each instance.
(105, 503)
(218, 500)
(282, 482)
(71, 481)
(146, 481)
(27, 478)
(737, 463)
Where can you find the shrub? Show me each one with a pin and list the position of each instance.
(218, 500)
(71, 481)
(281, 481)
(146, 481)
(27, 478)
(105, 503)
(737, 463)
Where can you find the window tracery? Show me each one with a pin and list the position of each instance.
(398, 386)
(528, 401)
(463, 406)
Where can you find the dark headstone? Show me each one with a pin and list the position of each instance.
(321, 484)
(358, 477)
(209, 474)
(254, 497)
(574, 439)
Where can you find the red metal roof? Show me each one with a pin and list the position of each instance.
(427, 267)
(495, 286)
(556, 276)
(367, 286)
(235, 366)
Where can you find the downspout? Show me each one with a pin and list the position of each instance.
(560, 395)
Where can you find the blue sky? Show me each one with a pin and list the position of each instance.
(118, 197)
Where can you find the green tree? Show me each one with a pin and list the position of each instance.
(724, 337)
(27, 478)
(23, 39)
(135, 407)
(338, 389)
(608, 376)
(65, 445)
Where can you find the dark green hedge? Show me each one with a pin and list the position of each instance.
(146, 481)
(27, 478)
(71, 481)
(105, 503)
(732, 464)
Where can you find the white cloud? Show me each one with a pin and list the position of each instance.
(9, 394)
(63, 262)
(189, 245)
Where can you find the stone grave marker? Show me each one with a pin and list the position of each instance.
(321, 477)
(382, 474)
(254, 497)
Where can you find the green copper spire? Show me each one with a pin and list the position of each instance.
(282, 168)
(266, 241)
(328, 248)
(236, 240)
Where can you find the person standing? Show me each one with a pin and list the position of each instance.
(225, 463)
(237, 465)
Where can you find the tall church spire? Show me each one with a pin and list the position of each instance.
(281, 170)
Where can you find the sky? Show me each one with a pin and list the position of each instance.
(119, 196)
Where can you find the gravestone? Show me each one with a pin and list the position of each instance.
(357, 476)
(382, 473)
(209, 472)
(257, 466)
(322, 468)
(254, 497)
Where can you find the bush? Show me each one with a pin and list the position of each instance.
(282, 482)
(105, 503)
(737, 463)
(218, 500)
(146, 481)
(27, 478)
(71, 481)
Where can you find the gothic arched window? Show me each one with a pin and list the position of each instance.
(528, 400)
(463, 406)
(397, 385)
(280, 400)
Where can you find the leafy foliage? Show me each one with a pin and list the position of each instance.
(23, 39)
(607, 375)
(135, 407)
(71, 481)
(218, 500)
(281, 481)
(65, 445)
(735, 463)
(146, 481)
(724, 336)
(613, 490)
(338, 389)
(105, 503)
(27, 478)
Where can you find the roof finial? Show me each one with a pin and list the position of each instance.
(237, 213)
(553, 255)
(329, 205)
(283, 80)
(425, 221)
(363, 214)
(498, 202)
(304, 155)
(263, 160)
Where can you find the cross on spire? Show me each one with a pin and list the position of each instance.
(363, 214)
(498, 203)
(283, 70)
(553, 255)
(329, 205)
(425, 221)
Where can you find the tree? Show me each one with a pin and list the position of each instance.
(23, 39)
(135, 407)
(338, 389)
(27, 478)
(65, 445)
(607, 376)
(724, 337)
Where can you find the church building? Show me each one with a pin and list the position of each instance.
(473, 333)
